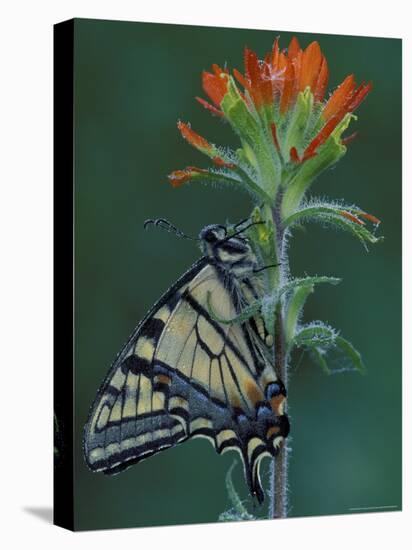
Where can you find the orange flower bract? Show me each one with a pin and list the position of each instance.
(279, 78)
(194, 139)
(278, 103)
(179, 177)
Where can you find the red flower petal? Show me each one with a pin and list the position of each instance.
(339, 97)
(267, 84)
(275, 136)
(322, 81)
(275, 54)
(350, 138)
(241, 79)
(294, 155)
(345, 99)
(215, 85)
(311, 64)
(297, 67)
(251, 63)
(288, 82)
(194, 139)
(253, 75)
(220, 162)
(209, 107)
(359, 96)
(322, 136)
(218, 70)
(179, 177)
(196, 169)
(294, 48)
(351, 217)
(369, 217)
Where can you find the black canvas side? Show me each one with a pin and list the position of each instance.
(63, 274)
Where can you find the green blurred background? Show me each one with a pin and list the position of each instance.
(133, 81)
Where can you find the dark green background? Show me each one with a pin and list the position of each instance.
(133, 81)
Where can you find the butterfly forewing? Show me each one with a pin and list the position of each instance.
(129, 419)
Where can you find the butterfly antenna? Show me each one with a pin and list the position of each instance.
(265, 267)
(167, 226)
(241, 223)
(241, 231)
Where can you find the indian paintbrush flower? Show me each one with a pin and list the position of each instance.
(289, 133)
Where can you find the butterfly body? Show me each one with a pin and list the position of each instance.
(184, 374)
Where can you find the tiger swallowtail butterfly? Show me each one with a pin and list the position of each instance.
(183, 373)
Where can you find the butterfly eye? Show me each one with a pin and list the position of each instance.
(211, 237)
(213, 233)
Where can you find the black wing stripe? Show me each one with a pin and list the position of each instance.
(185, 379)
(223, 383)
(236, 382)
(172, 434)
(168, 296)
(193, 386)
(201, 311)
(256, 364)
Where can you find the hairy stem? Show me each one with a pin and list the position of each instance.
(279, 467)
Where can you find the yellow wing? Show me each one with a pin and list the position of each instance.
(183, 374)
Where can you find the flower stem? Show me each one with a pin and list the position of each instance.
(279, 466)
(280, 480)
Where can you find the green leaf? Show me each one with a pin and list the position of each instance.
(246, 314)
(333, 214)
(263, 242)
(263, 233)
(239, 511)
(252, 185)
(259, 148)
(269, 306)
(311, 211)
(300, 289)
(236, 178)
(318, 355)
(295, 306)
(298, 122)
(308, 281)
(351, 353)
(321, 351)
(314, 335)
(327, 155)
(246, 155)
(358, 231)
(239, 116)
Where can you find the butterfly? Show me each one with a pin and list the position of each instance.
(187, 372)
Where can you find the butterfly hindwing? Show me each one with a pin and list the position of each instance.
(183, 374)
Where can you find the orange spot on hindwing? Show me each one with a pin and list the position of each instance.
(273, 430)
(277, 404)
(253, 392)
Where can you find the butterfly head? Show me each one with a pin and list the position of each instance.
(212, 234)
(229, 251)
